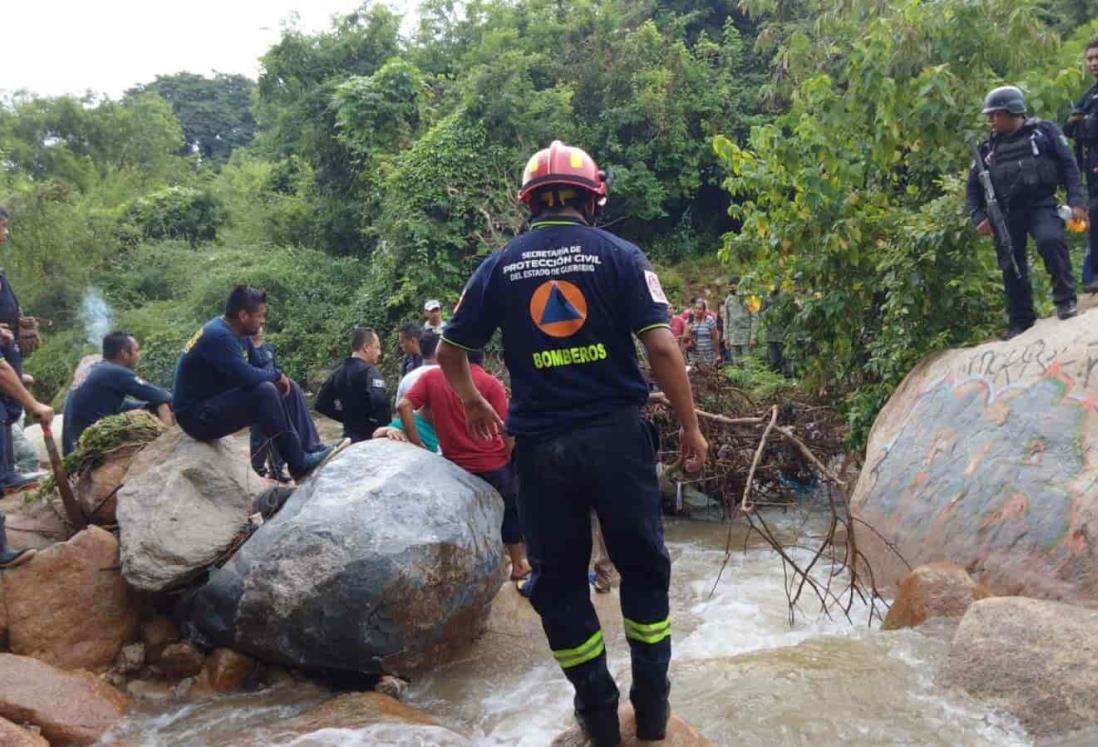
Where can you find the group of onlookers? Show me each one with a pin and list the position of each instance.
(726, 334)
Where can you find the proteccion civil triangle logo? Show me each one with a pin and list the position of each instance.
(558, 308)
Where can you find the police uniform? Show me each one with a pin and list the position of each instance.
(569, 299)
(1027, 166)
(1085, 134)
(10, 409)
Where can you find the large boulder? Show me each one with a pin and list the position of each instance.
(1034, 658)
(114, 442)
(385, 560)
(183, 506)
(69, 707)
(69, 606)
(934, 590)
(985, 457)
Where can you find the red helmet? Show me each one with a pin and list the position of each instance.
(561, 164)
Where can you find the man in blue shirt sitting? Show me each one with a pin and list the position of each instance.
(218, 390)
(111, 387)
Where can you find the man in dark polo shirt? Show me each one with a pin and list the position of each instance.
(218, 390)
(355, 393)
(569, 299)
(111, 387)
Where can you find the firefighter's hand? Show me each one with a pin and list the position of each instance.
(694, 449)
(481, 419)
(40, 412)
(1079, 214)
(984, 229)
(283, 385)
(7, 337)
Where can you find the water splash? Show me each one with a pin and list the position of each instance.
(96, 316)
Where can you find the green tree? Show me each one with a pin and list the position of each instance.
(215, 113)
(852, 199)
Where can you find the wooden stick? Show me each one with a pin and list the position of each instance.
(745, 503)
(68, 500)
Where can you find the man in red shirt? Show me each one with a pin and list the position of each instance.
(489, 459)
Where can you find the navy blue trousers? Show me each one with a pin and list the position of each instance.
(10, 411)
(297, 410)
(608, 466)
(230, 411)
(1040, 221)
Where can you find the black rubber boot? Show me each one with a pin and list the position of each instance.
(652, 720)
(602, 727)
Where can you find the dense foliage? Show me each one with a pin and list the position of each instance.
(367, 170)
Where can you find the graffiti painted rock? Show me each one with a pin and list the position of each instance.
(934, 590)
(386, 560)
(985, 457)
(1033, 658)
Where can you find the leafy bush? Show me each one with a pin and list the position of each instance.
(177, 213)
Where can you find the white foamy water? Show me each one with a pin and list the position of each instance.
(741, 674)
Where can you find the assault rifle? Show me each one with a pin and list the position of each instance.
(1004, 249)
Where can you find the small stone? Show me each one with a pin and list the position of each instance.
(226, 670)
(180, 660)
(270, 676)
(150, 691)
(156, 634)
(131, 658)
(115, 679)
(184, 687)
(392, 686)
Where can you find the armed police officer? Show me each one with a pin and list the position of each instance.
(569, 299)
(1028, 159)
(1082, 127)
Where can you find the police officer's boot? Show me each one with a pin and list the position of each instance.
(11, 558)
(1066, 310)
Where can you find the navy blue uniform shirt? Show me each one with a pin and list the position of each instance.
(103, 392)
(1089, 106)
(569, 299)
(1052, 144)
(214, 361)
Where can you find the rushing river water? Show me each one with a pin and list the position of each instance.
(741, 674)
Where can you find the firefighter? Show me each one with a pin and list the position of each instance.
(569, 298)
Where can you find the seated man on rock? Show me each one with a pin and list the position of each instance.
(266, 460)
(488, 459)
(111, 387)
(218, 390)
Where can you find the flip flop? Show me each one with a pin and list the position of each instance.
(525, 586)
(523, 576)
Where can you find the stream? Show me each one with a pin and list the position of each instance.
(741, 674)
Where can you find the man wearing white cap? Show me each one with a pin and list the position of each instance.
(432, 312)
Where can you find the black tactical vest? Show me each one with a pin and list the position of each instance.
(1022, 169)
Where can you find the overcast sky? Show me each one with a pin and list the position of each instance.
(53, 47)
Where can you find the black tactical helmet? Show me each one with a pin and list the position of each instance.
(1005, 99)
